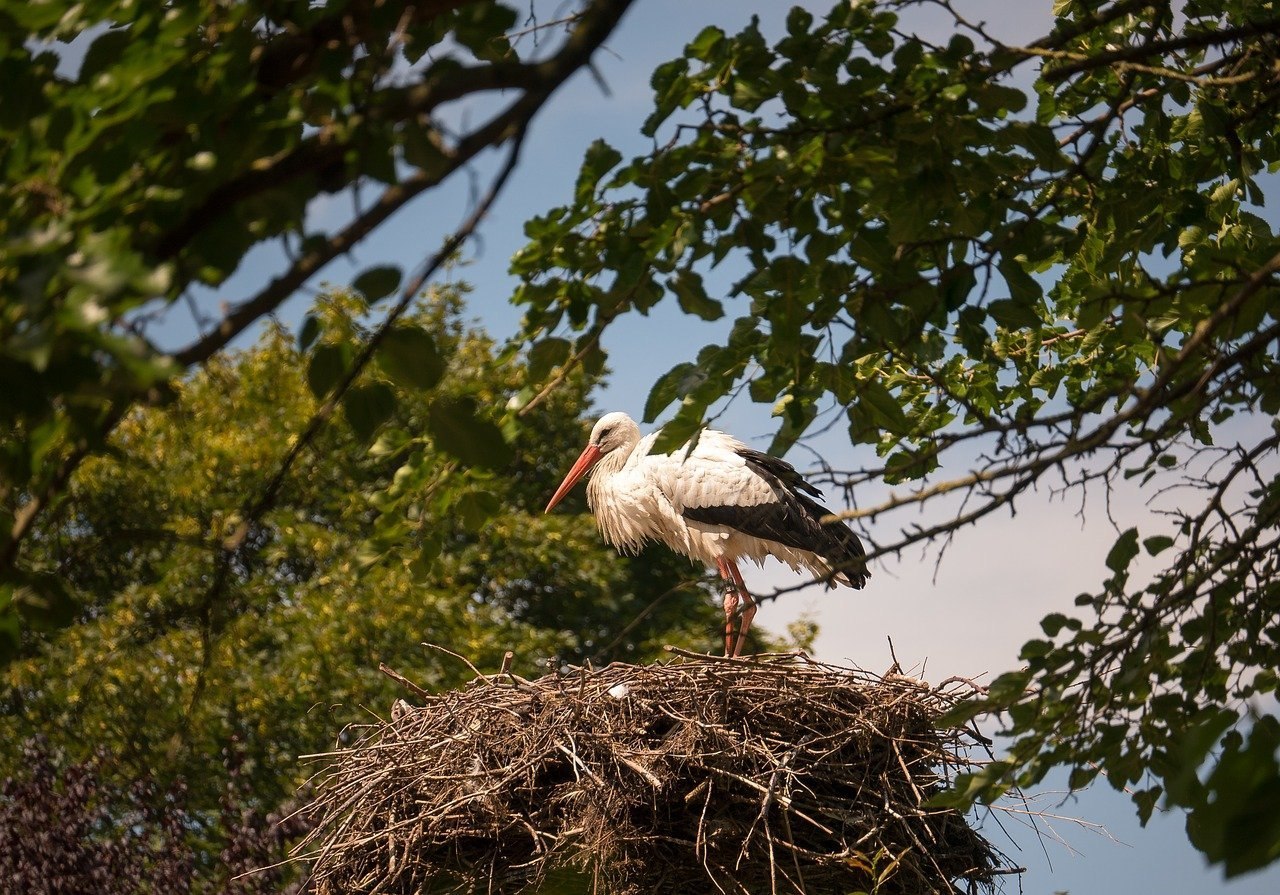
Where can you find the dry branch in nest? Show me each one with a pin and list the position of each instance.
(775, 775)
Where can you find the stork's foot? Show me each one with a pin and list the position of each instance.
(749, 607)
(730, 621)
(730, 608)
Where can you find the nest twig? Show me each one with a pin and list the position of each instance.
(702, 775)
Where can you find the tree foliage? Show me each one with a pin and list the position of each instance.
(1054, 257)
(147, 148)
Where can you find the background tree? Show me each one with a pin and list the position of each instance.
(174, 657)
(1074, 282)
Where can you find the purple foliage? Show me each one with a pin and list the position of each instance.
(67, 831)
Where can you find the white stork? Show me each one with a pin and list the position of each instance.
(717, 503)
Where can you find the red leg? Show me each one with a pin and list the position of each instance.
(730, 604)
(748, 608)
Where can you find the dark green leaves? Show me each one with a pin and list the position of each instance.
(1238, 823)
(367, 407)
(327, 366)
(1123, 551)
(881, 408)
(599, 159)
(10, 625)
(457, 428)
(310, 331)
(956, 284)
(671, 385)
(693, 297)
(104, 52)
(545, 355)
(408, 354)
(705, 44)
(475, 508)
(377, 283)
(1022, 287)
(1013, 314)
(681, 431)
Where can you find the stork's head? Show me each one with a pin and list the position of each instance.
(611, 432)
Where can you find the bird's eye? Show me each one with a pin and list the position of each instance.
(606, 432)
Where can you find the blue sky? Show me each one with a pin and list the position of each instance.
(968, 617)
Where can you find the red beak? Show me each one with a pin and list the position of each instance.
(587, 459)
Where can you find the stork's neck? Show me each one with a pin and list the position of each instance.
(603, 472)
(612, 462)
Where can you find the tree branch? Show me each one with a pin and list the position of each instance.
(290, 57)
(594, 27)
(254, 510)
(1149, 400)
(1198, 41)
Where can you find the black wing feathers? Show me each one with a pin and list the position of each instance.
(772, 468)
(793, 520)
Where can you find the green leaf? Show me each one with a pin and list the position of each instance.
(44, 601)
(1014, 315)
(1198, 737)
(796, 417)
(598, 160)
(311, 329)
(408, 354)
(367, 407)
(1082, 777)
(105, 52)
(1123, 551)
(1053, 623)
(956, 284)
(593, 358)
(1023, 288)
(476, 508)
(327, 366)
(882, 407)
(693, 298)
(702, 46)
(423, 562)
(671, 385)
(1146, 800)
(10, 628)
(682, 429)
(390, 442)
(546, 355)
(457, 429)
(377, 283)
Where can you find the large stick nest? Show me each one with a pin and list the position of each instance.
(775, 775)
